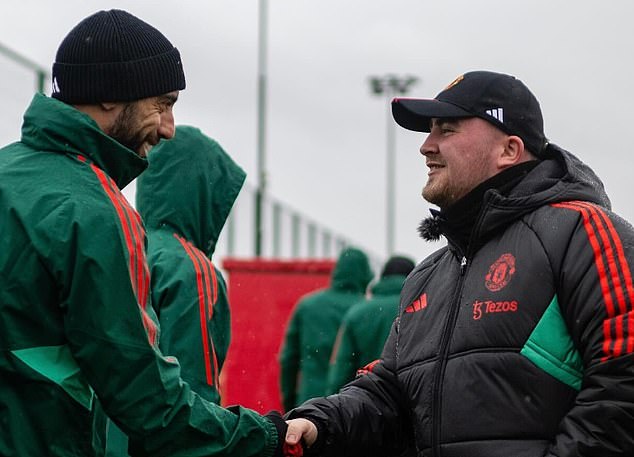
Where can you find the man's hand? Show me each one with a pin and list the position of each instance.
(301, 428)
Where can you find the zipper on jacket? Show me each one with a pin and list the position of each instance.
(442, 359)
(463, 265)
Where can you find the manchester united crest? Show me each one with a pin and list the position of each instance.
(500, 273)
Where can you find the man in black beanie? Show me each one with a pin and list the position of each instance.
(124, 74)
(76, 322)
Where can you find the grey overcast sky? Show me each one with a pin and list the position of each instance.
(326, 132)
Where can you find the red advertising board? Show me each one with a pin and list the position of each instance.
(262, 295)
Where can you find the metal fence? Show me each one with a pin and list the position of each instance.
(287, 233)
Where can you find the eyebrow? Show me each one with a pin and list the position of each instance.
(169, 99)
(444, 120)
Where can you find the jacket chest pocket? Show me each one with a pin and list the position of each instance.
(503, 298)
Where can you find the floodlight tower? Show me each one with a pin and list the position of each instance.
(390, 86)
(260, 191)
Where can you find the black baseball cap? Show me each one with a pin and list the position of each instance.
(500, 99)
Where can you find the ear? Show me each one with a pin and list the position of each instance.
(108, 106)
(103, 113)
(513, 152)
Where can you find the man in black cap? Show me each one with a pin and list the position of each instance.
(517, 338)
(75, 318)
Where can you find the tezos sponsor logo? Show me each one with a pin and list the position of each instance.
(489, 306)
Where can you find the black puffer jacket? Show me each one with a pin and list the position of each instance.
(519, 344)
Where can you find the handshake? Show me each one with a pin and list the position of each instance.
(294, 436)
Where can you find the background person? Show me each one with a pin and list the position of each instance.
(366, 325)
(184, 199)
(313, 327)
(524, 347)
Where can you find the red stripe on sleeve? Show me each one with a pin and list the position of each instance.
(210, 285)
(596, 249)
(103, 179)
(613, 276)
(201, 306)
(626, 291)
(134, 244)
(600, 218)
(139, 269)
(598, 260)
(206, 265)
(143, 271)
(625, 268)
(610, 242)
(208, 271)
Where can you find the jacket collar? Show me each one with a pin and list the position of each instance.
(458, 221)
(53, 126)
(560, 177)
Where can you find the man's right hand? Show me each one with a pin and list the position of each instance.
(301, 428)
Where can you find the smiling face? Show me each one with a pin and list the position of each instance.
(139, 125)
(460, 153)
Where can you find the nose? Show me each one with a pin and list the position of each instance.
(167, 128)
(429, 146)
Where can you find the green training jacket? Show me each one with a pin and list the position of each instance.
(363, 332)
(184, 198)
(75, 319)
(313, 327)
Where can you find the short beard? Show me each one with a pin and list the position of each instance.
(125, 131)
(440, 199)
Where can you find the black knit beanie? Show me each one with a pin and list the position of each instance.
(113, 56)
(398, 265)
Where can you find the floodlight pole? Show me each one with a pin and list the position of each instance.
(261, 129)
(390, 86)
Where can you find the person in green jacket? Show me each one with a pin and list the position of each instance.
(365, 326)
(76, 322)
(184, 199)
(313, 327)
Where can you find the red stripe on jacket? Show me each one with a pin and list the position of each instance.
(203, 298)
(134, 235)
(205, 265)
(211, 287)
(623, 292)
(608, 243)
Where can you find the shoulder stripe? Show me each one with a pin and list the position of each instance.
(204, 297)
(134, 236)
(615, 280)
(624, 293)
(211, 287)
(204, 263)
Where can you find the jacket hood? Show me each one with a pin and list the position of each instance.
(190, 185)
(51, 125)
(352, 271)
(560, 177)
